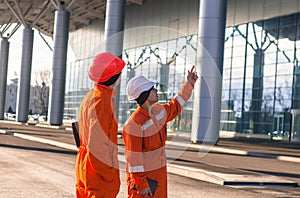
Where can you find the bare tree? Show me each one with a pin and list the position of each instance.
(283, 94)
(42, 81)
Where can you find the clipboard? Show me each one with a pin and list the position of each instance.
(76, 133)
(152, 184)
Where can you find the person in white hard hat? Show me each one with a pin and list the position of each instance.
(145, 134)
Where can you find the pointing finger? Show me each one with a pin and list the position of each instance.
(192, 70)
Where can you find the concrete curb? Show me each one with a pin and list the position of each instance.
(207, 148)
(41, 140)
(241, 179)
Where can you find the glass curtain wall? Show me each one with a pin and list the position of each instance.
(260, 59)
(77, 85)
(165, 63)
(261, 73)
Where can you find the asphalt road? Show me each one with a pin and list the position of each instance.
(32, 169)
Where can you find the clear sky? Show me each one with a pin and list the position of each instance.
(41, 57)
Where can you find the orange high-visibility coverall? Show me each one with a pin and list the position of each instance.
(144, 136)
(97, 172)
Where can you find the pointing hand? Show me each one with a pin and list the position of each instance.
(192, 75)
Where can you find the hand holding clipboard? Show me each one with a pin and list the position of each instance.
(152, 186)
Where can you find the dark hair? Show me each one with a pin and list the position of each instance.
(143, 97)
(110, 81)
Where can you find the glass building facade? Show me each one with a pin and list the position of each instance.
(261, 74)
(165, 63)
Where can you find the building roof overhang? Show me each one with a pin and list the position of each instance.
(39, 14)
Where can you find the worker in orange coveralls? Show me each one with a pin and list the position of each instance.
(97, 171)
(145, 134)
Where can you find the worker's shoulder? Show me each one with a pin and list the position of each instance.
(138, 117)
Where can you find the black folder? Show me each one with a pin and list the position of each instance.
(76, 133)
(153, 185)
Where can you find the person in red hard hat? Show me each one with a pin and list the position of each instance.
(145, 134)
(97, 172)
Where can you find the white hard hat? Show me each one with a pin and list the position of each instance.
(138, 85)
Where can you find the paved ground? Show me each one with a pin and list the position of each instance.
(32, 169)
(236, 162)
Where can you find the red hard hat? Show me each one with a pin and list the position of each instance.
(105, 66)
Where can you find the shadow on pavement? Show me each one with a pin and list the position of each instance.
(39, 149)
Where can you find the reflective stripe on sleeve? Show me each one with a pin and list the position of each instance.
(135, 169)
(161, 114)
(147, 124)
(180, 100)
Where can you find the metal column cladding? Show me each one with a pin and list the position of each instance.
(61, 35)
(25, 76)
(3, 75)
(114, 26)
(114, 33)
(208, 89)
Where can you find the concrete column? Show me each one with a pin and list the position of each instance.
(25, 76)
(114, 33)
(208, 89)
(57, 90)
(3, 74)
